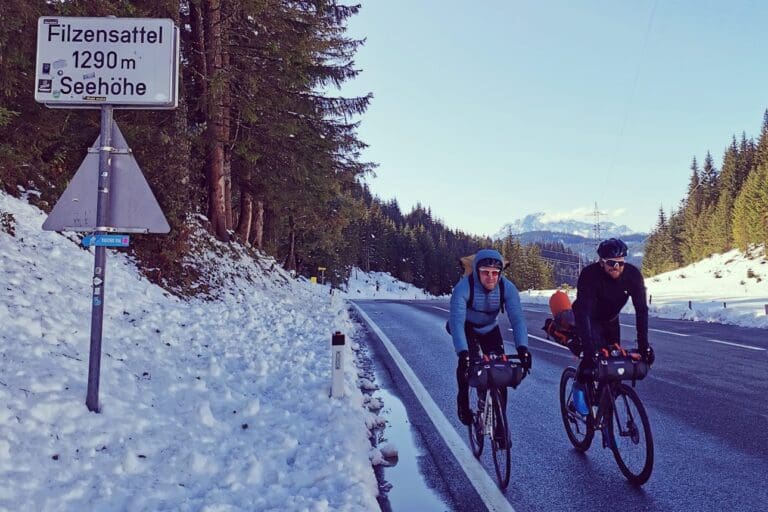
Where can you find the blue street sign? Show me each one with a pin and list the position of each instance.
(106, 240)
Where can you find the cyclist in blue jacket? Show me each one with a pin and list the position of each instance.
(474, 326)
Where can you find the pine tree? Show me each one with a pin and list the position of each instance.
(692, 208)
(750, 221)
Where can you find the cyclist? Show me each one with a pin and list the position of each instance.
(603, 288)
(474, 325)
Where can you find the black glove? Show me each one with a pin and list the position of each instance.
(648, 355)
(525, 357)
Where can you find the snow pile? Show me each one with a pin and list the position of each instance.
(729, 288)
(381, 285)
(206, 405)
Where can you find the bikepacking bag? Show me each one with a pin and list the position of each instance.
(499, 372)
(620, 366)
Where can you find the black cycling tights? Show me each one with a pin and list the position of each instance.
(489, 342)
(604, 334)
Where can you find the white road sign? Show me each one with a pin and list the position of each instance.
(131, 62)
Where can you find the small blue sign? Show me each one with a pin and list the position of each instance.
(106, 240)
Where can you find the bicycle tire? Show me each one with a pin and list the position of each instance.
(580, 432)
(476, 429)
(502, 454)
(633, 447)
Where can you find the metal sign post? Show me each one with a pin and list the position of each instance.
(99, 265)
(106, 63)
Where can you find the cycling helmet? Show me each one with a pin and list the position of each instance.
(490, 262)
(612, 248)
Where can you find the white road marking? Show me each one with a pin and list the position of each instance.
(533, 310)
(737, 344)
(556, 344)
(442, 309)
(485, 486)
(660, 330)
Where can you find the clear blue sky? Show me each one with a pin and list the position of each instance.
(488, 111)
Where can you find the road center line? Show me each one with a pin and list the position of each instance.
(547, 341)
(659, 330)
(485, 486)
(441, 309)
(737, 344)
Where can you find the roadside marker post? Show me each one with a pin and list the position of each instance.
(337, 365)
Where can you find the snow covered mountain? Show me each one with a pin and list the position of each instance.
(541, 221)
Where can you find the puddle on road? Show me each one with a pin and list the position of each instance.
(409, 490)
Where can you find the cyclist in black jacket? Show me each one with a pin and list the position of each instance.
(603, 289)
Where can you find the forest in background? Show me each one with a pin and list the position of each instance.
(724, 208)
(258, 147)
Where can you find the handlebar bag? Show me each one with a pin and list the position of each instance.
(621, 368)
(500, 373)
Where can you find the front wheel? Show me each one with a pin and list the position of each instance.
(580, 431)
(630, 434)
(501, 444)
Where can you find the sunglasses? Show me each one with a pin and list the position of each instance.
(614, 263)
(490, 273)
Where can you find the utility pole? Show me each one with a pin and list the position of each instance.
(596, 228)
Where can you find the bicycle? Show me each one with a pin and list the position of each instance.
(486, 379)
(615, 410)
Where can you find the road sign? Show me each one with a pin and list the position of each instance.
(132, 206)
(91, 62)
(106, 240)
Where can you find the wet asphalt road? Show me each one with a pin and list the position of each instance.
(707, 402)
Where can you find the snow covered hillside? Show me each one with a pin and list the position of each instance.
(206, 405)
(740, 280)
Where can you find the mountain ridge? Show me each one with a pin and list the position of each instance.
(539, 221)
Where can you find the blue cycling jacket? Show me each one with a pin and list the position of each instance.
(485, 307)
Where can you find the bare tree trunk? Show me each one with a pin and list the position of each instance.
(258, 225)
(198, 55)
(290, 260)
(228, 7)
(217, 201)
(246, 216)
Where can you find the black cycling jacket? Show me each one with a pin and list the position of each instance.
(599, 298)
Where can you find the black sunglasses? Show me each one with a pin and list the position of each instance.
(614, 263)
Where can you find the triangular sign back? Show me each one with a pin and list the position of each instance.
(132, 205)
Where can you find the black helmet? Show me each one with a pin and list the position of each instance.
(490, 262)
(612, 248)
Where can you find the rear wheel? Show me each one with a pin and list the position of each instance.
(501, 446)
(630, 434)
(579, 429)
(476, 429)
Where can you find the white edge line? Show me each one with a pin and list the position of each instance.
(441, 309)
(485, 486)
(737, 345)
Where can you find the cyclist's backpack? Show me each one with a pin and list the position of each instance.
(562, 326)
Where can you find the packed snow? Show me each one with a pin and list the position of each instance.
(206, 405)
(218, 405)
(729, 288)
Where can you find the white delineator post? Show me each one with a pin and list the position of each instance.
(337, 365)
